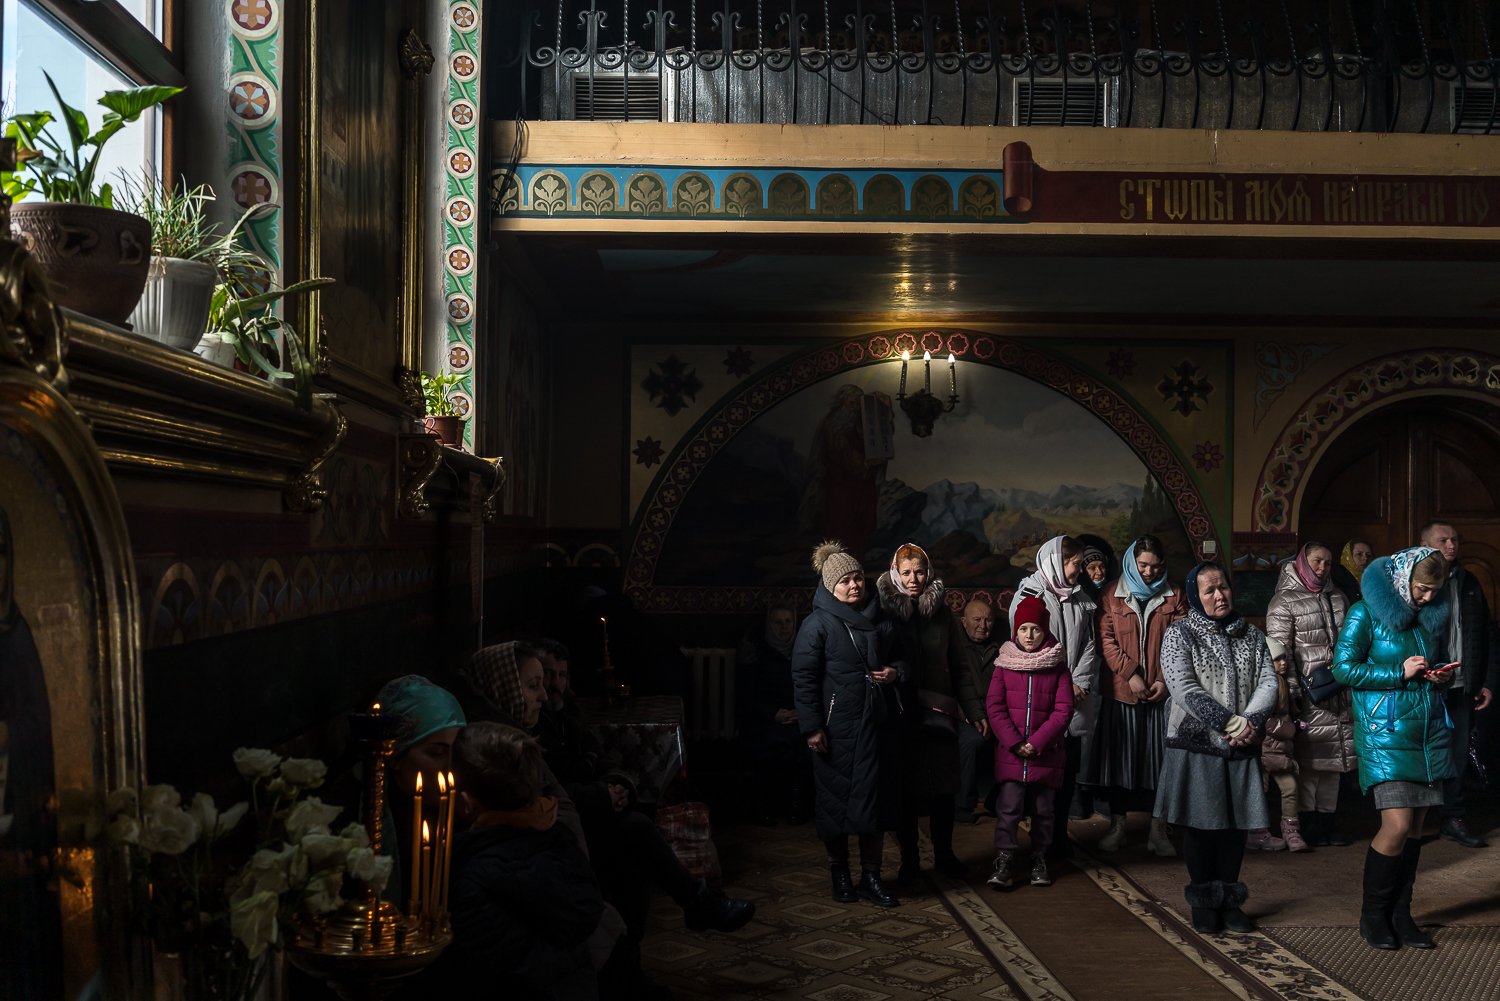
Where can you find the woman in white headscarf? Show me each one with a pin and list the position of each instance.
(1056, 582)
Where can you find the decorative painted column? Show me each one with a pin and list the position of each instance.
(461, 213)
(252, 174)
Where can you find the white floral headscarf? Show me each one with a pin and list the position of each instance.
(1049, 562)
(1400, 569)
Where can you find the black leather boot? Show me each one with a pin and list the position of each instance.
(1382, 882)
(843, 884)
(1328, 831)
(1312, 829)
(873, 890)
(1405, 926)
(712, 909)
(911, 856)
(1205, 900)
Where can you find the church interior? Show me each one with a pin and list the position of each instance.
(418, 419)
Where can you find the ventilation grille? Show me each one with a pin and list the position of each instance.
(1473, 108)
(601, 98)
(1053, 101)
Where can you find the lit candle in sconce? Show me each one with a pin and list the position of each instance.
(416, 850)
(604, 627)
(427, 874)
(905, 357)
(927, 365)
(952, 375)
(439, 845)
(448, 844)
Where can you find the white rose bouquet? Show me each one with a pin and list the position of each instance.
(216, 891)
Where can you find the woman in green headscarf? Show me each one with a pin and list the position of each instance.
(430, 720)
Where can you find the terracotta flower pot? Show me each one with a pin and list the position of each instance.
(449, 430)
(174, 308)
(94, 258)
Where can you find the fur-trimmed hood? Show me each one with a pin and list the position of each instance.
(1377, 592)
(896, 601)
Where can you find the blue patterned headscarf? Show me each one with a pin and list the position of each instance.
(1136, 584)
(1400, 569)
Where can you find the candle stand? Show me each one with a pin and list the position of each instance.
(365, 949)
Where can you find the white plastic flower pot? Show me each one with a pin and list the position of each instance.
(174, 307)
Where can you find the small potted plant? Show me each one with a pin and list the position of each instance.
(241, 319)
(190, 256)
(444, 419)
(94, 256)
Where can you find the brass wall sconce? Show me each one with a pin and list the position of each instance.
(922, 407)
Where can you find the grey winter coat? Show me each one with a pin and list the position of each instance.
(1073, 621)
(1308, 625)
(1214, 671)
(857, 781)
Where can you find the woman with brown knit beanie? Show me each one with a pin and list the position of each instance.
(845, 671)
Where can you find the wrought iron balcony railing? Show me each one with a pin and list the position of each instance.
(1308, 65)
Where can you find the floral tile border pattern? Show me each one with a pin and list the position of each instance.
(732, 193)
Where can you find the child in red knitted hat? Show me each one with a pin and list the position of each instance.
(1029, 705)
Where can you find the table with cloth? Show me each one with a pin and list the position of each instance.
(642, 736)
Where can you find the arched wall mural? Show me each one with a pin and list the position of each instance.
(1354, 394)
(1042, 447)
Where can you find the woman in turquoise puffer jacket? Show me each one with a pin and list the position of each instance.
(1400, 726)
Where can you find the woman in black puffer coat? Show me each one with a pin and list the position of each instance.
(846, 668)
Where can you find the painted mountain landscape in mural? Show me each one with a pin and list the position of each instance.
(1001, 474)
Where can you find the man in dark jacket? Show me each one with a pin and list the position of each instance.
(766, 722)
(976, 751)
(1473, 642)
(571, 748)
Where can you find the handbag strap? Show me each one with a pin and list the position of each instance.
(859, 651)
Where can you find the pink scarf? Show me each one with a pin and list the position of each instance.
(1013, 658)
(1305, 573)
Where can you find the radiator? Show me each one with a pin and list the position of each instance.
(711, 705)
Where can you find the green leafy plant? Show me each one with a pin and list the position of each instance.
(67, 174)
(181, 228)
(435, 393)
(243, 318)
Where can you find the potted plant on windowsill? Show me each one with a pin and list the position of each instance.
(241, 320)
(94, 256)
(444, 418)
(190, 257)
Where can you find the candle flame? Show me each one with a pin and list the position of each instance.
(452, 783)
(442, 784)
(603, 620)
(927, 356)
(906, 356)
(375, 708)
(426, 836)
(419, 781)
(950, 358)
